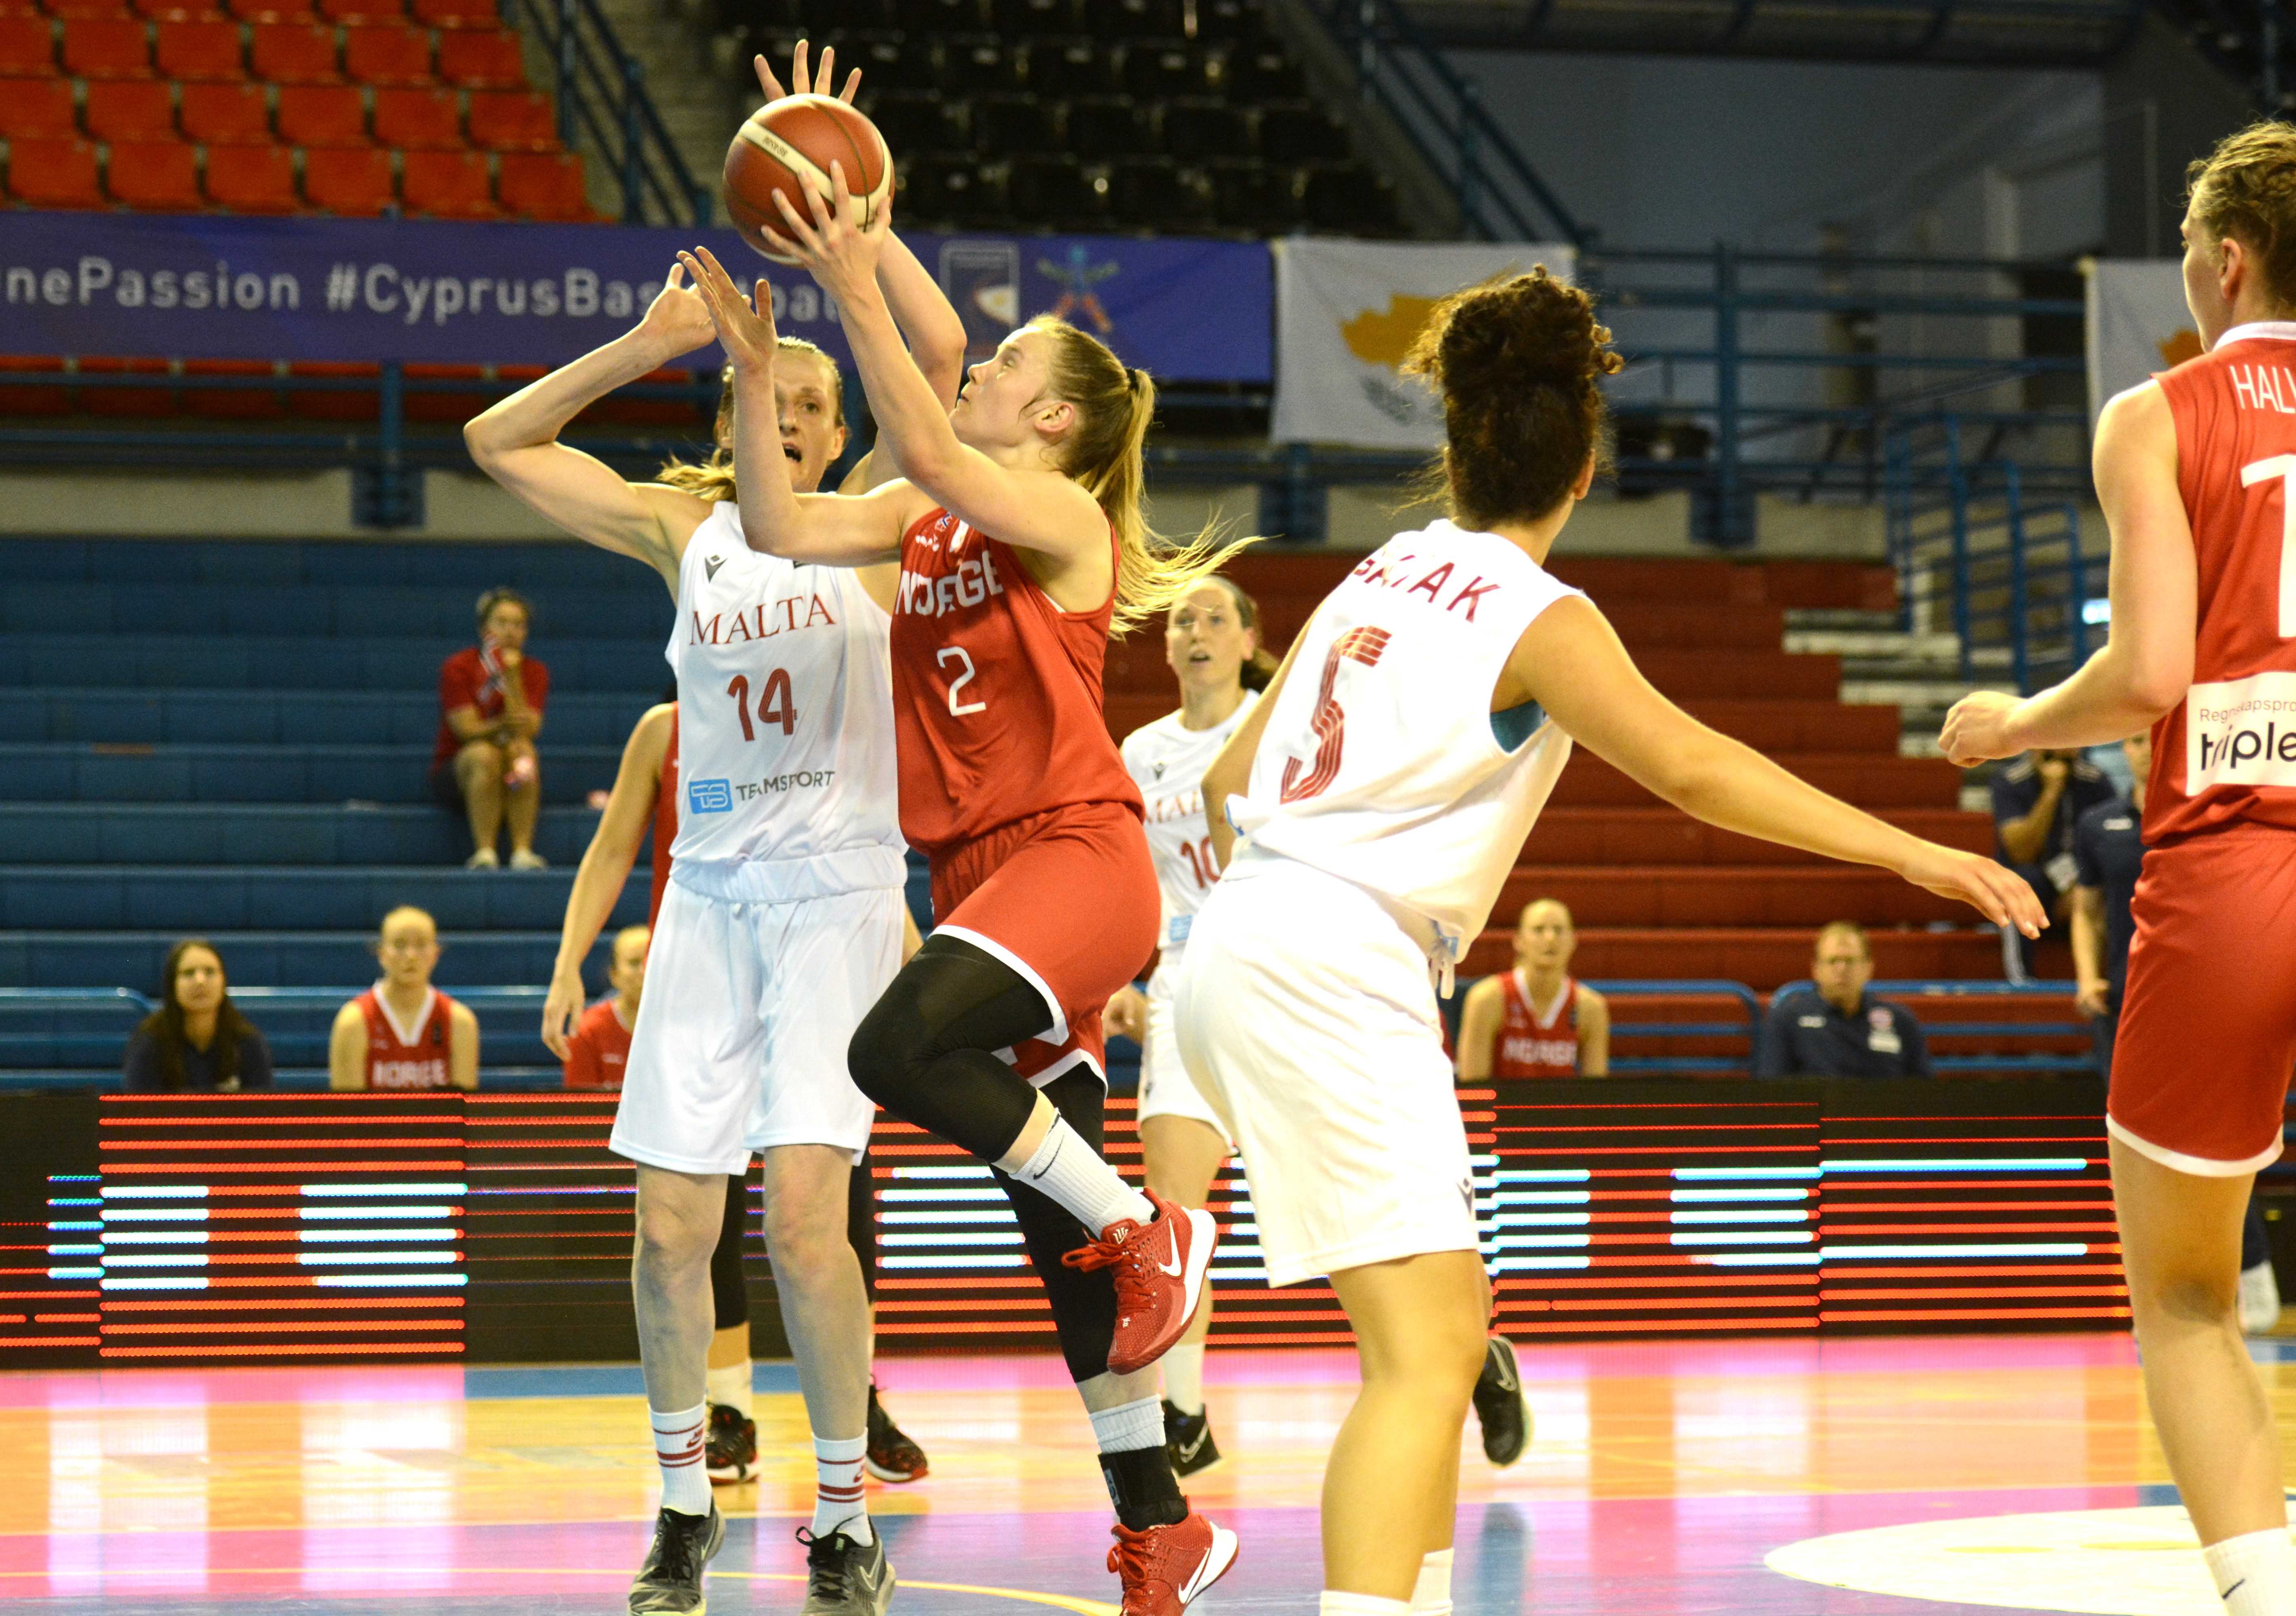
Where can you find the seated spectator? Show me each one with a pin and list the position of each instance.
(601, 1044)
(2037, 801)
(1836, 1029)
(197, 1038)
(490, 702)
(403, 1033)
(1534, 1021)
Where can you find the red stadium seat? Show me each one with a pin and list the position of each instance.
(417, 120)
(129, 109)
(544, 185)
(251, 179)
(512, 121)
(456, 13)
(236, 403)
(325, 404)
(177, 11)
(453, 408)
(225, 114)
(294, 52)
(447, 185)
(37, 109)
(18, 398)
(154, 175)
(107, 48)
(387, 55)
(53, 173)
(365, 13)
(125, 401)
(27, 47)
(475, 60)
(195, 50)
(272, 11)
(322, 115)
(353, 180)
(19, 8)
(68, 10)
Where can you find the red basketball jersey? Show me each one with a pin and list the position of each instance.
(665, 823)
(997, 690)
(406, 1057)
(600, 1048)
(1530, 1047)
(2227, 751)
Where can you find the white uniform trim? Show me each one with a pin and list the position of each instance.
(404, 1035)
(990, 945)
(2200, 1167)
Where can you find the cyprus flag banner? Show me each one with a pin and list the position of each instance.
(2137, 324)
(1346, 313)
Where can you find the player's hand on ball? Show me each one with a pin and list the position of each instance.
(2001, 895)
(561, 1010)
(677, 321)
(744, 325)
(1978, 728)
(803, 82)
(839, 254)
(1127, 1016)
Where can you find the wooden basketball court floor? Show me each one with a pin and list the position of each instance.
(1836, 1478)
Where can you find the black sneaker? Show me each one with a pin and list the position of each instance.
(891, 1456)
(671, 1580)
(730, 1453)
(844, 1577)
(1499, 1404)
(1188, 1438)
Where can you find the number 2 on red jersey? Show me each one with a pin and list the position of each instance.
(1330, 723)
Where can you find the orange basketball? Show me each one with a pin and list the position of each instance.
(788, 144)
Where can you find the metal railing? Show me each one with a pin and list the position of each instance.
(603, 104)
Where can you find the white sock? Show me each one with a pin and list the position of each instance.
(732, 1386)
(1432, 1597)
(1068, 1169)
(837, 1503)
(678, 1443)
(1184, 1377)
(1360, 1605)
(1130, 1427)
(2255, 1573)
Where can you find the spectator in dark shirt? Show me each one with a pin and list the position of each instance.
(1836, 1029)
(2108, 855)
(197, 1038)
(490, 701)
(2037, 802)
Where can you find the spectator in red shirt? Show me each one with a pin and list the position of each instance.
(601, 1044)
(490, 702)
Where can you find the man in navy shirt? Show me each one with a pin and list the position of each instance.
(2108, 857)
(2037, 802)
(1838, 1029)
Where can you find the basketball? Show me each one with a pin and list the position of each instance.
(790, 143)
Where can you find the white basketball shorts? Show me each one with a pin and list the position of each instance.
(1166, 1089)
(740, 1039)
(1307, 1016)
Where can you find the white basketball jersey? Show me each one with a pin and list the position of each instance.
(1379, 763)
(1168, 763)
(785, 755)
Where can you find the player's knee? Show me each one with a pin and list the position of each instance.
(888, 1047)
(477, 758)
(2187, 1298)
(669, 1237)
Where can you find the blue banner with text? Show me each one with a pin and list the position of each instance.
(215, 287)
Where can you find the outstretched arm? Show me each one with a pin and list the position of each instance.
(606, 865)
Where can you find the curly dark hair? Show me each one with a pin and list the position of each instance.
(1518, 361)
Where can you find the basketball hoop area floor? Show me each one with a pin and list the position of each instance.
(1843, 1477)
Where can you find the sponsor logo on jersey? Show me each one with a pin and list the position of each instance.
(709, 796)
(2241, 731)
(973, 583)
(760, 620)
(709, 568)
(798, 780)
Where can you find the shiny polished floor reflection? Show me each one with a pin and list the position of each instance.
(1834, 1478)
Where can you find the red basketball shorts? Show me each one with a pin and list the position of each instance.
(1068, 899)
(2208, 1026)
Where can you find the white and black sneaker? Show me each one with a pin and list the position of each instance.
(1188, 1438)
(844, 1577)
(1499, 1405)
(671, 1580)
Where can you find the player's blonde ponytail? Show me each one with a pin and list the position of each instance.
(1103, 452)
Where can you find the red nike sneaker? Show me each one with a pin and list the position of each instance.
(1165, 1567)
(1160, 1278)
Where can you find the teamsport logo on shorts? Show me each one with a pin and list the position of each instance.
(710, 796)
(2241, 731)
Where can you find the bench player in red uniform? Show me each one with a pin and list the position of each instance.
(1016, 526)
(1535, 1021)
(600, 1046)
(403, 1033)
(2196, 470)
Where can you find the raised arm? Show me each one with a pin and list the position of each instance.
(515, 442)
(1570, 662)
(2147, 660)
(606, 865)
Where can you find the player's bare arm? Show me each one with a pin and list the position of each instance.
(2088, 951)
(462, 1046)
(1570, 662)
(2147, 663)
(515, 442)
(1231, 772)
(347, 1049)
(1480, 1016)
(606, 865)
(1594, 1033)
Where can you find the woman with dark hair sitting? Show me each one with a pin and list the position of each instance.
(197, 1038)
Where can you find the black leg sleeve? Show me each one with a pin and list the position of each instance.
(1084, 1304)
(726, 1285)
(861, 1222)
(924, 1051)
